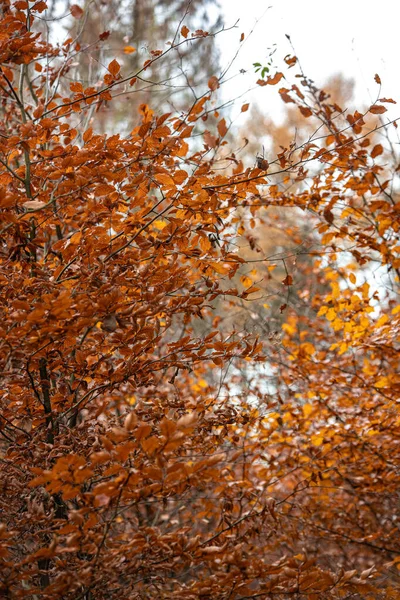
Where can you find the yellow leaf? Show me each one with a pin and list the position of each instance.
(365, 291)
(383, 319)
(307, 409)
(307, 348)
(246, 281)
(317, 439)
(288, 328)
(129, 49)
(160, 224)
(337, 324)
(331, 314)
(353, 278)
(382, 382)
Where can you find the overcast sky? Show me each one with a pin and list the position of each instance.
(356, 37)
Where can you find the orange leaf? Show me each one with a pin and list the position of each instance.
(271, 80)
(180, 176)
(129, 49)
(245, 107)
(75, 86)
(275, 79)
(114, 67)
(251, 290)
(88, 134)
(164, 179)
(222, 128)
(184, 31)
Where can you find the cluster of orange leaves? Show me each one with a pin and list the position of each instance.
(131, 465)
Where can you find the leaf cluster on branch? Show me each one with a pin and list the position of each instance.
(147, 449)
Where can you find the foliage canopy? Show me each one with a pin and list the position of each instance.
(143, 451)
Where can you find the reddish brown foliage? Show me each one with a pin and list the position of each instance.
(134, 464)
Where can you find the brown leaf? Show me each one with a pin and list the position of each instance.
(328, 215)
(377, 110)
(288, 280)
(213, 83)
(305, 111)
(376, 150)
(222, 128)
(39, 6)
(76, 11)
(114, 67)
(110, 323)
(209, 139)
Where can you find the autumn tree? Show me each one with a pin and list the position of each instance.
(127, 471)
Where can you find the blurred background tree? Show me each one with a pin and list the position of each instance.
(132, 31)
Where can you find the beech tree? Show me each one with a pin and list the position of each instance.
(141, 459)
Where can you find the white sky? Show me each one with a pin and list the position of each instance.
(355, 37)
